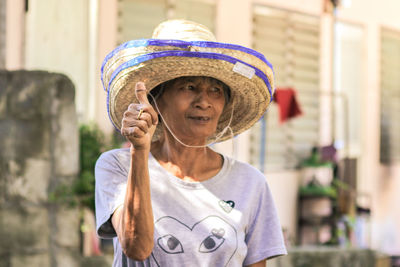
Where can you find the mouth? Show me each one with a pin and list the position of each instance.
(200, 118)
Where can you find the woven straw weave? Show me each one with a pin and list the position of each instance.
(124, 67)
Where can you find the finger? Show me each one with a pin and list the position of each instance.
(148, 113)
(141, 93)
(132, 132)
(144, 123)
(146, 118)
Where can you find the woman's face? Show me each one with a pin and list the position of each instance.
(191, 106)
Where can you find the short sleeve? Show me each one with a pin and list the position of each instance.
(111, 173)
(264, 237)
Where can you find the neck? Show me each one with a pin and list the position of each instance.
(188, 163)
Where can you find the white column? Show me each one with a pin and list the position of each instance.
(107, 41)
(234, 22)
(92, 58)
(15, 32)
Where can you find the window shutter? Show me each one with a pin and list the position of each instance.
(290, 41)
(390, 96)
(138, 18)
(203, 12)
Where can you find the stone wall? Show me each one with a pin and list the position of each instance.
(39, 151)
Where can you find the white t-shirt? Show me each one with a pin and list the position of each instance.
(227, 220)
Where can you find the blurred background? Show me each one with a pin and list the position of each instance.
(329, 145)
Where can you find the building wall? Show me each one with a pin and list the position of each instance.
(57, 39)
(378, 180)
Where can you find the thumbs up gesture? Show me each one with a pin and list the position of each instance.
(140, 120)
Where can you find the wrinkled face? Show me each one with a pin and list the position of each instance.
(191, 106)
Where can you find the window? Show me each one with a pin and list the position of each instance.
(349, 62)
(203, 12)
(390, 96)
(290, 41)
(138, 18)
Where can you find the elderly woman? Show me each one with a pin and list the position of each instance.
(169, 199)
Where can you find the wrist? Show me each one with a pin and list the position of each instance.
(139, 149)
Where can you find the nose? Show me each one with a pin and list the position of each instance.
(202, 101)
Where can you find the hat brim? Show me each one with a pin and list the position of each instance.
(250, 93)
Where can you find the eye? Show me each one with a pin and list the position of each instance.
(211, 243)
(190, 87)
(170, 244)
(216, 91)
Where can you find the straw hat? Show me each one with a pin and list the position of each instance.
(184, 48)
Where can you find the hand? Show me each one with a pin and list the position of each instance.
(139, 130)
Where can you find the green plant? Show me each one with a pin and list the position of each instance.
(318, 191)
(92, 143)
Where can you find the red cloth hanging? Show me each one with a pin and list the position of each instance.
(288, 105)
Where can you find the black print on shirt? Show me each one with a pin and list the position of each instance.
(209, 236)
(227, 206)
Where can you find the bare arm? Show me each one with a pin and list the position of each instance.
(133, 222)
(262, 263)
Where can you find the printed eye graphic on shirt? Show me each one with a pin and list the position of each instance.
(211, 239)
(170, 244)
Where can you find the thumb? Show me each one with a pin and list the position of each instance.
(141, 93)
